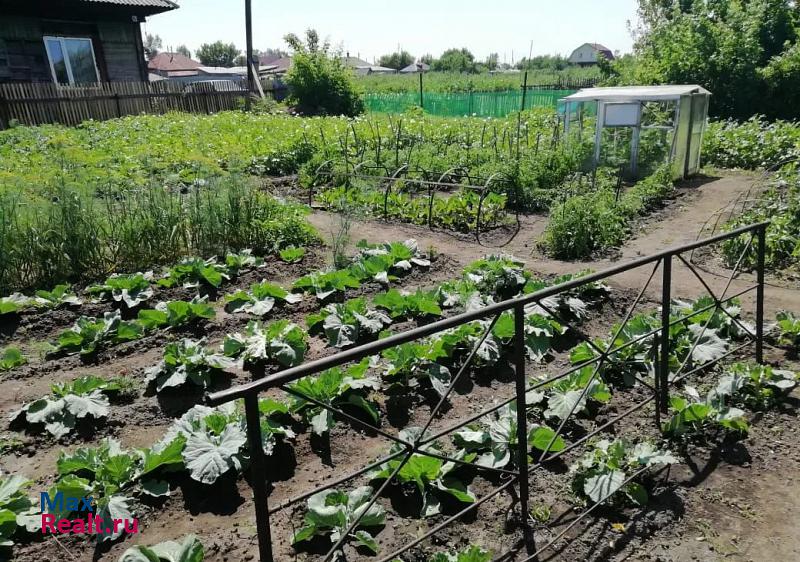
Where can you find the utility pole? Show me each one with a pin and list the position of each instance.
(248, 18)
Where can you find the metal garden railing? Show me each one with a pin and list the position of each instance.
(514, 481)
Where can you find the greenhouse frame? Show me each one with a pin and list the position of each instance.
(673, 116)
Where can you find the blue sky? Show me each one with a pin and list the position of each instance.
(372, 28)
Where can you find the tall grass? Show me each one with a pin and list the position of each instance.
(75, 237)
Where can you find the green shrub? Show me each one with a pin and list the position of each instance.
(592, 222)
(319, 83)
(752, 144)
(583, 225)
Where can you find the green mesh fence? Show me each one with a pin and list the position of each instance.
(482, 104)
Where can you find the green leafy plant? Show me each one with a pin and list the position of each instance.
(85, 397)
(408, 305)
(570, 393)
(280, 342)
(175, 313)
(187, 361)
(349, 323)
(469, 554)
(377, 261)
(292, 254)
(88, 334)
(409, 362)
(602, 471)
(494, 438)
(210, 442)
(17, 511)
(107, 474)
(11, 358)
(337, 388)
(693, 415)
(541, 331)
(243, 261)
(260, 300)
(326, 283)
(332, 512)
(429, 475)
(500, 275)
(789, 328)
(58, 296)
(132, 290)
(193, 272)
(758, 387)
(189, 550)
(14, 303)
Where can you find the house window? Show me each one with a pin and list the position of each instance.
(71, 60)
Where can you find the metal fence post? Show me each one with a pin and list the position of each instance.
(762, 251)
(421, 99)
(663, 363)
(258, 476)
(522, 424)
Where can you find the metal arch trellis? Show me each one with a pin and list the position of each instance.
(514, 481)
(389, 180)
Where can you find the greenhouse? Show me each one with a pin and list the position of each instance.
(640, 127)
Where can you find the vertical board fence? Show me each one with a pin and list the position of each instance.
(41, 103)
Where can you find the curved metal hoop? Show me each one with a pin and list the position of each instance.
(513, 190)
(394, 177)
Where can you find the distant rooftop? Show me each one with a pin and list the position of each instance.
(171, 62)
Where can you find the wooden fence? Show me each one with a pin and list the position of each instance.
(40, 103)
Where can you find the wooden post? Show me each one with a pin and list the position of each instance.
(4, 112)
(249, 32)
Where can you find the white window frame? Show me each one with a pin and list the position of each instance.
(62, 41)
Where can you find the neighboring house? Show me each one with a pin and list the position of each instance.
(415, 67)
(274, 66)
(173, 65)
(586, 54)
(74, 42)
(361, 66)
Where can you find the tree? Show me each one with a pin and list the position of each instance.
(492, 61)
(544, 62)
(319, 82)
(217, 54)
(396, 60)
(456, 60)
(152, 45)
(184, 50)
(427, 59)
(743, 52)
(274, 54)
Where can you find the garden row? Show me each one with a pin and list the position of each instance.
(220, 432)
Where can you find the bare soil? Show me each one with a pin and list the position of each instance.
(733, 501)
